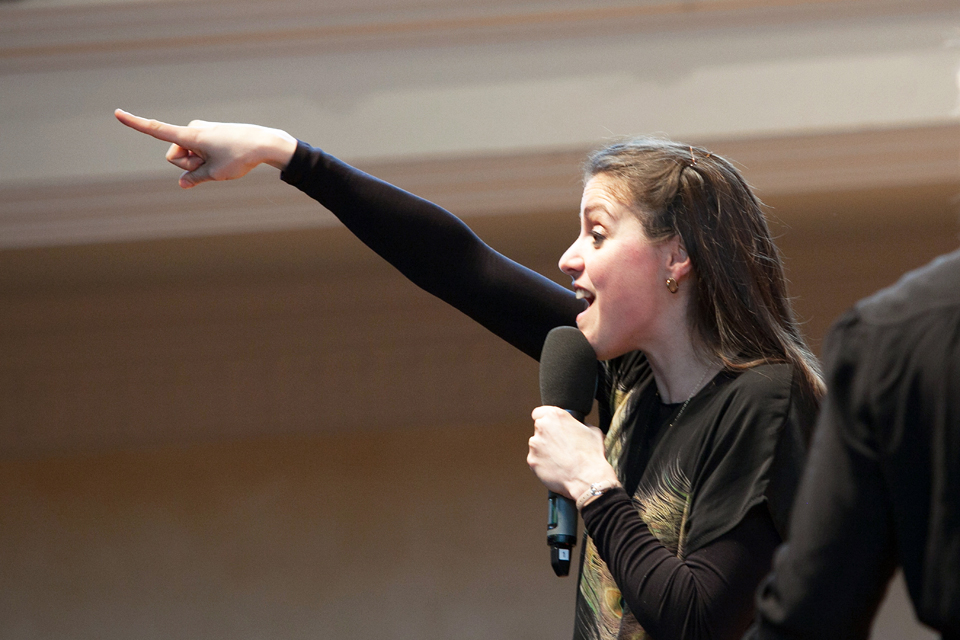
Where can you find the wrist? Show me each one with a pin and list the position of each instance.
(594, 491)
(280, 149)
(595, 470)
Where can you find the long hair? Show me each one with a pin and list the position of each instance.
(740, 313)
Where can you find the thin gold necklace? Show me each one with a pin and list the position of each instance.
(696, 388)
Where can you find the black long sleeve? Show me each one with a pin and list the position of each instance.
(707, 594)
(437, 251)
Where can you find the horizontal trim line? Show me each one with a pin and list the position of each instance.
(515, 184)
(45, 39)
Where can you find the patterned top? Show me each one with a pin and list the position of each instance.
(739, 443)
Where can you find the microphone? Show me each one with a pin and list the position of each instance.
(568, 379)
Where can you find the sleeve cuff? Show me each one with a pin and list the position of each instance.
(593, 512)
(299, 164)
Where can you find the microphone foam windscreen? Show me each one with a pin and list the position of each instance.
(568, 371)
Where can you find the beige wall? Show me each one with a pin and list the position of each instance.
(842, 246)
(214, 403)
(424, 533)
(274, 435)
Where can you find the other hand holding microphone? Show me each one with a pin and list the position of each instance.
(567, 455)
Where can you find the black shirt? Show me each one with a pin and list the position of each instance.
(708, 488)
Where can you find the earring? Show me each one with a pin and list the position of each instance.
(672, 285)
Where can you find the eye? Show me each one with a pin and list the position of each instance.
(598, 238)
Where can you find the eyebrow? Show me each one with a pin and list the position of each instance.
(591, 210)
(588, 210)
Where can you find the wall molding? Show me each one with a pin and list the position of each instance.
(173, 31)
(154, 206)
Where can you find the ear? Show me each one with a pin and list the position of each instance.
(677, 260)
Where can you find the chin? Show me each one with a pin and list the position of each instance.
(602, 352)
(595, 341)
(606, 350)
(601, 355)
(588, 335)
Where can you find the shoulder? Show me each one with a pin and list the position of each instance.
(752, 446)
(918, 294)
(763, 402)
(763, 389)
(764, 381)
(902, 324)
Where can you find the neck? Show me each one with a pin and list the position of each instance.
(680, 371)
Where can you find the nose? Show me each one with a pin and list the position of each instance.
(571, 262)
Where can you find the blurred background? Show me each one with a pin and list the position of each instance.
(223, 417)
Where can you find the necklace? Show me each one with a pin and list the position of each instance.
(696, 388)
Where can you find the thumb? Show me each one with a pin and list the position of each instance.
(198, 176)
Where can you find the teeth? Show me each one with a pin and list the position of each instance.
(583, 295)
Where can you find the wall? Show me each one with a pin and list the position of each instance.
(221, 416)
(425, 533)
(219, 443)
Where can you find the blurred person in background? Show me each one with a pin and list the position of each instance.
(882, 485)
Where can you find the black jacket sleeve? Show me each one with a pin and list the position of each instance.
(707, 594)
(437, 251)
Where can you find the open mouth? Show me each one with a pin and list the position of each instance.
(583, 294)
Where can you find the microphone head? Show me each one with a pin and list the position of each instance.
(568, 371)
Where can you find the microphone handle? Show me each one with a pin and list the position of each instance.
(561, 532)
(562, 525)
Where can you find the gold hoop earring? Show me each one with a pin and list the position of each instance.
(672, 285)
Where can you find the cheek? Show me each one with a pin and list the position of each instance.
(634, 294)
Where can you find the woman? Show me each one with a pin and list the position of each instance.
(706, 390)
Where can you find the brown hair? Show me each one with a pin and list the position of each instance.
(740, 311)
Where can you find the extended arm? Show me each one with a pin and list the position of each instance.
(437, 251)
(429, 245)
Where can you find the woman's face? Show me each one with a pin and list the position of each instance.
(618, 271)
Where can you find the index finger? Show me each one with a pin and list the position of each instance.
(155, 128)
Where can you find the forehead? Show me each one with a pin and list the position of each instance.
(605, 194)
